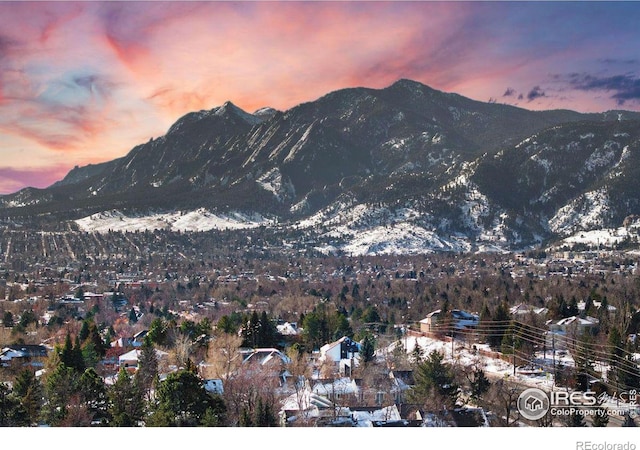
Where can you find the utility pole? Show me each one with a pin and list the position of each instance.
(553, 349)
(452, 341)
(513, 347)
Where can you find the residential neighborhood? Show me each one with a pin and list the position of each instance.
(413, 341)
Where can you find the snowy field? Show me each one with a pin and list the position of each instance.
(199, 220)
(494, 367)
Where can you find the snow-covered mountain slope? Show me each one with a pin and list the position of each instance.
(402, 169)
(194, 221)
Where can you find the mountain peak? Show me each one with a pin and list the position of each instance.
(267, 112)
(412, 85)
(407, 82)
(228, 108)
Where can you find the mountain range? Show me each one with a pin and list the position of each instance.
(406, 168)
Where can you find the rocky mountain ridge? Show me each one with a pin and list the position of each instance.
(402, 169)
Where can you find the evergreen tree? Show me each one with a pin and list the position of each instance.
(203, 328)
(417, 354)
(267, 332)
(340, 326)
(99, 344)
(77, 358)
(616, 355)
(511, 340)
(264, 415)
(499, 326)
(188, 328)
(313, 326)
(133, 317)
(148, 366)
(66, 353)
(316, 328)
(226, 325)
(258, 413)
(181, 400)
(158, 331)
(485, 327)
(245, 418)
(59, 387)
(93, 394)
(84, 331)
(371, 316)
(90, 355)
(629, 373)
(478, 383)
(28, 391)
(367, 354)
(126, 403)
(250, 331)
(7, 319)
(572, 308)
(434, 382)
(11, 413)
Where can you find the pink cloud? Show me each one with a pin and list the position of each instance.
(86, 79)
(12, 179)
(279, 54)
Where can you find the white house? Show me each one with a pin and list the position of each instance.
(343, 348)
(340, 390)
(560, 331)
(288, 329)
(344, 352)
(402, 382)
(268, 358)
(598, 305)
(572, 323)
(130, 359)
(459, 319)
(523, 309)
(265, 356)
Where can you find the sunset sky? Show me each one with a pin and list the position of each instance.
(84, 82)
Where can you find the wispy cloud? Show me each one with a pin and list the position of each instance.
(623, 87)
(629, 61)
(535, 93)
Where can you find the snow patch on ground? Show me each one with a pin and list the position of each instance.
(199, 220)
(600, 158)
(401, 238)
(605, 236)
(584, 212)
(461, 353)
(272, 182)
(545, 163)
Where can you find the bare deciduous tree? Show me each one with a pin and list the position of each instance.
(503, 398)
